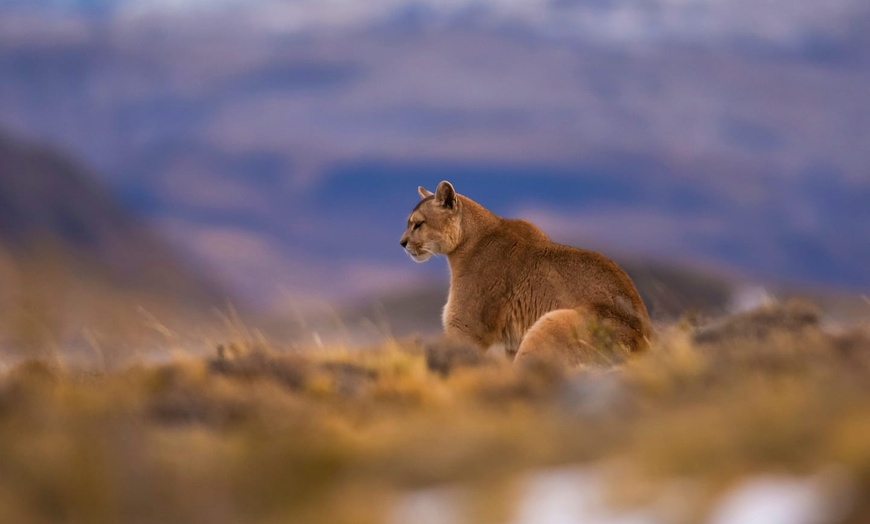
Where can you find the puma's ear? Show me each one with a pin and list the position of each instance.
(446, 195)
(424, 193)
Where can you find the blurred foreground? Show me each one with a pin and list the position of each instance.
(762, 414)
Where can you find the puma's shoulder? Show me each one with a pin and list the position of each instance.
(522, 230)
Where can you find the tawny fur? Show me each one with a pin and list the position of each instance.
(511, 285)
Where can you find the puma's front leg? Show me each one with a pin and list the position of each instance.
(457, 336)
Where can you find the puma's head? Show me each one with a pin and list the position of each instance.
(433, 226)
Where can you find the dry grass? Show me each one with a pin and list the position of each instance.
(260, 434)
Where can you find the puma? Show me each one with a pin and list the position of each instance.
(511, 285)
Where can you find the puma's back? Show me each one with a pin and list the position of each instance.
(511, 285)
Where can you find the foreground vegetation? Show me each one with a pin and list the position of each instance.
(257, 433)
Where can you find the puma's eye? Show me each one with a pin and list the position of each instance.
(417, 225)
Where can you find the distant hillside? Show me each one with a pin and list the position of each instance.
(670, 291)
(47, 202)
(287, 137)
(73, 262)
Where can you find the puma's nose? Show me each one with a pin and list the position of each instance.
(403, 242)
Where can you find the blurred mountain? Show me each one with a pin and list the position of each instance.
(670, 290)
(280, 143)
(50, 207)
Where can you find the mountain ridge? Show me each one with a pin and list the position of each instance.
(50, 204)
(305, 149)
